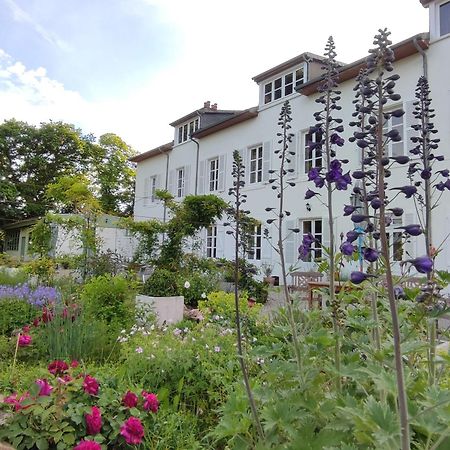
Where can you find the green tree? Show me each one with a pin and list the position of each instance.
(115, 174)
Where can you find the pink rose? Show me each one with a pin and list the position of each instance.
(88, 445)
(24, 340)
(90, 385)
(130, 399)
(150, 402)
(45, 388)
(132, 430)
(57, 367)
(74, 363)
(17, 402)
(93, 421)
(26, 329)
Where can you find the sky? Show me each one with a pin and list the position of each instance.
(131, 67)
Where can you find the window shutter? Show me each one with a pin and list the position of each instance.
(290, 244)
(220, 241)
(187, 180)
(266, 160)
(409, 132)
(411, 241)
(201, 177)
(292, 164)
(146, 194)
(172, 187)
(222, 167)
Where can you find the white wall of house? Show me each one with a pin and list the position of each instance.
(261, 132)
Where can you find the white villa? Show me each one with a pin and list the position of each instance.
(199, 158)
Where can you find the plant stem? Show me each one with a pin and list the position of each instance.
(238, 318)
(402, 398)
(15, 356)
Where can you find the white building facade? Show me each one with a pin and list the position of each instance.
(199, 160)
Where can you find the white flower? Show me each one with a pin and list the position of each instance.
(152, 356)
(217, 349)
(216, 317)
(206, 346)
(186, 330)
(123, 331)
(152, 327)
(254, 339)
(177, 332)
(187, 285)
(203, 295)
(259, 360)
(139, 350)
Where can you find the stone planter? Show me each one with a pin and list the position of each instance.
(167, 309)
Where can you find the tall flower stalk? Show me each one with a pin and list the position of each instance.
(378, 91)
(239, 216)
(280, 184)
(330, 176)
(423, 176)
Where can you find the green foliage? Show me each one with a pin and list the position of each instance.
(12, 277)
(15, 314)
(43, 268)
(162, 283)
(110, 299)
(41, 235)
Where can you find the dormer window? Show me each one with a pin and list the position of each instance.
(283, 85)
(185, 131)
(444, 18)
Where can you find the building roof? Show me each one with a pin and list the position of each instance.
(239, 117)
(307, 56)
(153, 152)
(207, 109)
(425, 3)
(402, 50)
(21, 223)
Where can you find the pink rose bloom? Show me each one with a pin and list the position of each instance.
(88, 445)
(24, 340)
(26, 329)
(90, 385)
(74, 363)
(45, 388)
(93, 421)
(36, 321)
(130, 399)
(17, 402)
(150, 402)
(57, 367)
(132, 430)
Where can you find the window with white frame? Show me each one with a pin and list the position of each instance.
(180, 182)
(444, 18)
(256, 164)
(395, 123)
(153, 187)
(395, 239)
(284, 85)
(313, 153)
(211, 241)
(314, 227)
(254, 251)
(12, 240)
(185, 131)
(213, 174)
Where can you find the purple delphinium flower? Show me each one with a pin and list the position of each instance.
(370, 254)
(359, 277)
(413, 230)
(347, 248)
(349, 209)
(38, 297)
(310, 194)
(343, 182)
(352, 235)
(423, 264)
(336, 139)
(409, 191)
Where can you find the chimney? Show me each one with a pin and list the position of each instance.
(207, 104)
(214, 106)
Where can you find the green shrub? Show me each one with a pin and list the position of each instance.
(162, 283)
(110, 299)
(15, 314)
(12, 277)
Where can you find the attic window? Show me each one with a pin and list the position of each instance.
(185, 131)
(284, 85)
(444, 18)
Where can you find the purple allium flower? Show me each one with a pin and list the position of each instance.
(409, 191)
(359, 277)
(310, 194)
(413, 230)
(370, 254)
(347, 248)
(423, 264)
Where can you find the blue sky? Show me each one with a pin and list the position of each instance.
(133, 66)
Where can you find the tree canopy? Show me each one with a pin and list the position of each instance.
(32, 157)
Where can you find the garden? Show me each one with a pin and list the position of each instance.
(85, 366)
